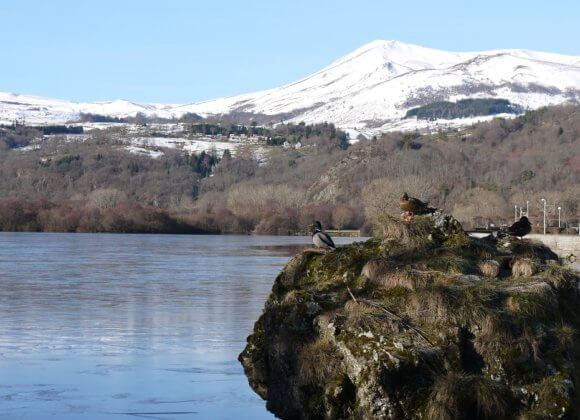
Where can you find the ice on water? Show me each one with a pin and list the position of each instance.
(117, 326)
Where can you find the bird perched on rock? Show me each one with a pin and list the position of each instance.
(520, 228)
(413, 206)
(321, 239)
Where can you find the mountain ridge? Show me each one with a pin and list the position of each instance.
(368, 90)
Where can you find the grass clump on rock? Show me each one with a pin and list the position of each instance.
(420, 322)
(458, 395)
(524, 267)
(489, 268)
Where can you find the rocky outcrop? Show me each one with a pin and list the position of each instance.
(331, 184)
(408, 325)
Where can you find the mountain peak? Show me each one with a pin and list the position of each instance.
(369, 90)
(407, 56)
(384, 43)
(387, 43)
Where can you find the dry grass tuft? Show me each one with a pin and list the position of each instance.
(524, 267)
(562, 277)
(491, 399)
(358, 309)
(388, 274)
(489, 268)
(565, 334)
(495, 334)
(446, 260)
(537, 303)
(290, 298)
(377, 268)
(404, 279)
(318, 362)
(412, 234)
(364, 316)
(498, 336)
(444, 401)
(429, 306)
(457, 395)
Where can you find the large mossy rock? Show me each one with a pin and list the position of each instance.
(405, 326)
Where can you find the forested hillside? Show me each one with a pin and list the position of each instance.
(464, 108)
(478, 174)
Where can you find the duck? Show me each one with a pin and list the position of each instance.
(520, 228)
(321, 239)
(413, 206)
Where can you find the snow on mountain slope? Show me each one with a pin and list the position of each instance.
(373, 87)
(37, 110)
(363, 69)
(368, 90)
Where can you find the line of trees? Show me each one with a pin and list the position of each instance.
(321, 135)
(478, 174)
(97, 215)
(464, 108)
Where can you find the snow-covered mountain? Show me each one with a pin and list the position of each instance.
(368, 90)
(37, 110)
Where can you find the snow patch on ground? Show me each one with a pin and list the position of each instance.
(28, 148)
(185, 144)
(144, 152)
(410, 124)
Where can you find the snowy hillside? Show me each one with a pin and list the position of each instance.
(37, 110)
(368, 90)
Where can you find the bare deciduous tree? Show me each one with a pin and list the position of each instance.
(107, 198)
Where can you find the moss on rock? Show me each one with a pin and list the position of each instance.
(405, 326)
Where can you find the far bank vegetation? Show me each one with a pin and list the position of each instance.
(477, 174)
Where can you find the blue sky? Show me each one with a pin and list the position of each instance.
(185, 51)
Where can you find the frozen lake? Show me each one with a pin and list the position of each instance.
(113, 326)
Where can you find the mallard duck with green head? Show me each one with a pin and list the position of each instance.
(320, 238)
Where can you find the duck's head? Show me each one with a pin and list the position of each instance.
(525, 220)
(315, 226)
(405, 196)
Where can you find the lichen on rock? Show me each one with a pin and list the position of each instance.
(420, 322)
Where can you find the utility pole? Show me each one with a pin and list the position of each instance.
(559, 208)
(544, 200)
(527, 208)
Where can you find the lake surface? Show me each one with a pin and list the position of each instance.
(107, 326)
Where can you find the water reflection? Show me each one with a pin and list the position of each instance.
(111, 326)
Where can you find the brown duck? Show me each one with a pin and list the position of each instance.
(413, 206)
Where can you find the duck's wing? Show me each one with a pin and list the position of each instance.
(328, 240)
(324, 239)
(526, 228)
(418, 203)
(514, 228)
